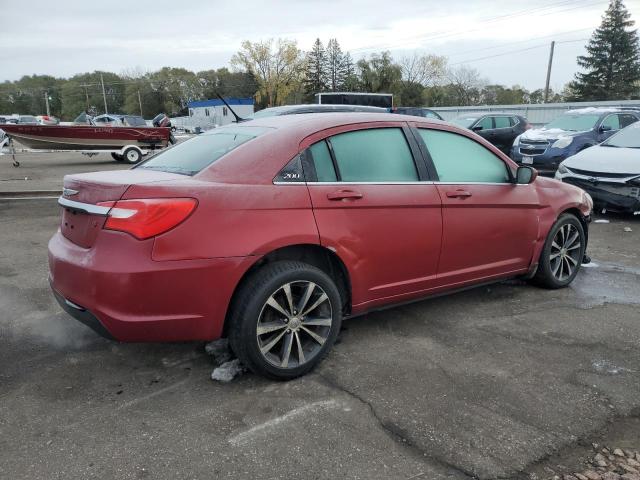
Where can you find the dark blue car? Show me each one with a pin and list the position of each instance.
(544, 148)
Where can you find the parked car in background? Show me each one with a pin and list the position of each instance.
(417, 112)
(270, 231)
(47, 120)
(609, 172)
(570, 133)
(313, 108)
(501, 129)
(119, 120)
(27, 120)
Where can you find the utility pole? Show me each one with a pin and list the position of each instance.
(46, 101)
(546, 87)
(140, 103)
(86, 94)
(104, 95)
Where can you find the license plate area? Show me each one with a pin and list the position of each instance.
(527, 160)
(79, 227)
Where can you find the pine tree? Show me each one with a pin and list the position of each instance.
(335, 65)
(612, 62)
(351, 82)
(316, 69)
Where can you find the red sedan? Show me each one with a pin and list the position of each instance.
(271, 232)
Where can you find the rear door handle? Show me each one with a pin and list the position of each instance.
(344, 194)
(459, 194)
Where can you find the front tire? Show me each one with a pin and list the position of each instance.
(285, 319)
(132, 155)
(562, 253)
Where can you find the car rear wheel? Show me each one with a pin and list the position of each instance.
(562, 253)
(285, 319)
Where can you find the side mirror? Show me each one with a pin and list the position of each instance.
(605, 128)
(477, 128)
(526, 175)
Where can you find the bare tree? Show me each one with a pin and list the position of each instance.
(466, 84)
(276, 65)
(426, 70)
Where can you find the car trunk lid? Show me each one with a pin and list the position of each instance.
(81, 220)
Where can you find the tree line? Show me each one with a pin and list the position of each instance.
(277, 72)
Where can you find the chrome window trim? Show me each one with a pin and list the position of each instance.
(84, 207)
(426, 182)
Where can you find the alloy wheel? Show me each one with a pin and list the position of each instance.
(564, 257)
(294, 324)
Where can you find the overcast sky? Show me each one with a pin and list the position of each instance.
(67, 37)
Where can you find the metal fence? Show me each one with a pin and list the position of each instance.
(537, 114)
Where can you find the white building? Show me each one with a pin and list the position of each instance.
(208, 114)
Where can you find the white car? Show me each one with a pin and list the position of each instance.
(609, 172)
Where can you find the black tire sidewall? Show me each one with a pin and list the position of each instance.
(544, 276)
(126, 152)
(255, 293)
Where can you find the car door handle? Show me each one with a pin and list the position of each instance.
(344, 194)
(459, 194)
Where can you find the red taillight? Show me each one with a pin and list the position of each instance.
(147, 217)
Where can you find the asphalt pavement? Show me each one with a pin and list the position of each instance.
(488, 383)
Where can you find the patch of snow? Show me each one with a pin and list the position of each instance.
(601, 220)
(592, 110)
(606, 366)
(220, 350)
(543, 134)
(590, 265)
(228, 371)
(628, 229)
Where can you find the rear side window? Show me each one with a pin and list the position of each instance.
(459, 159)
(323, 163)
(190, 157)
(502, 122)
(376, 155)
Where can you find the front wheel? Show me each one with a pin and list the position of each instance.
(562, 253)
(132, 155)
(285, 319)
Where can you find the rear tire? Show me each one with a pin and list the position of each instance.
(132, 155)
(562, 253)
(285, 319)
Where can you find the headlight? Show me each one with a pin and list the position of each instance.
(562, 142)
(516, 142)
(562, 169)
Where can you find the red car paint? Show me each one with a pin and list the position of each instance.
(396, 242)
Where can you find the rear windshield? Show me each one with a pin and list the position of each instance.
(191, 156)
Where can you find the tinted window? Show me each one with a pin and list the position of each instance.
(464, 121)
(574, 122)
(460, 159)
(190, 157)
(612, 122)
(376, 155)
(486, 123)
(323, 163)
(626, 120)
(502, 122)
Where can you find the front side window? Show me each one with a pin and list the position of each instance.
(459, 159)
(486, 123)
(375, 155)
(612, 121)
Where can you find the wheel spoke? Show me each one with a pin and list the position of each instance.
(273, 303)
(307, 295)
(556, 268)
(320, 322)
(574, 246)
(572, 239)
(555, 245)
(301, 358)
(269, 327)
(286, 350)
(313, 335)
(553, 256)
(287, 293)
(321, 299)
(267, 348)
(568, 265)
(572, 260)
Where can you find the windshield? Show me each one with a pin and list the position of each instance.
(190, 157)
(573, 123)
(464, 122)
(626, 138)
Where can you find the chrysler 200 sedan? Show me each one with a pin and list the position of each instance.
(272, 231)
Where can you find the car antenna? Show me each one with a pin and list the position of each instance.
(238, 119)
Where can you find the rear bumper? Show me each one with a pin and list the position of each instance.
(119, 291)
